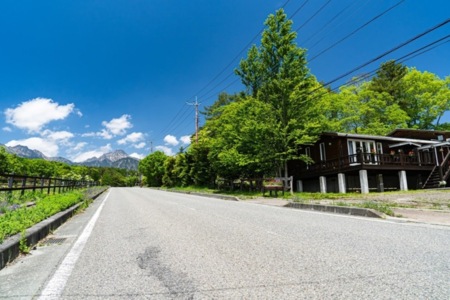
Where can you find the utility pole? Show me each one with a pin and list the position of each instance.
(196, 104)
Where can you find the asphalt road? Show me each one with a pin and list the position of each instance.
(147, 244)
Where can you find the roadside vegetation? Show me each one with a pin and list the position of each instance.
(17, 218)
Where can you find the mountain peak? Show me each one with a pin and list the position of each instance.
(115, 159)
(24, 151)
(114, 156)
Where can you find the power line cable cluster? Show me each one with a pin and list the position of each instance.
(184, 113)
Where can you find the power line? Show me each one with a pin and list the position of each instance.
(183, 108)
(356, 30)
(401, 59)
(330, 21)
(179, 119)
(313, 16)
(389, 51)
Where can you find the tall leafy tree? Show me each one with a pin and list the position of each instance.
(278, 71)
(251, 70)
(223, 99)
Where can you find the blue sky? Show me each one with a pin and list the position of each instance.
(81, 78)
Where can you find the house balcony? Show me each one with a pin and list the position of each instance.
(421, 161)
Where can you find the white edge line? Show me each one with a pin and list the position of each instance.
(56, 285)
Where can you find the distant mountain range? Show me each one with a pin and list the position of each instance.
(116, 159)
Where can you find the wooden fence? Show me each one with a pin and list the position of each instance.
(22, 183)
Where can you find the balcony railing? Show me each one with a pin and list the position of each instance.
(374, 160)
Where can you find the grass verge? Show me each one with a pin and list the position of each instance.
(18, 220)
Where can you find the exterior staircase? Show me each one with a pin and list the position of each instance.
(435, 176)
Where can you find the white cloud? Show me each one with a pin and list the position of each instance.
(80, 157)
(103, 134)
(57, 135)
(112, 128)
(48, 147)
(131, 138)
(7, 129)
(118, 126)
(139, 146)
(171, 140)
(166, 150)
(79, 146)
(34, 114)
(137, 155)
(107, 148)
(186, 139)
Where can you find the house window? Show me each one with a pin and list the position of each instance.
(308, 153)
(365, 150)
(379, 148)
(323, 156)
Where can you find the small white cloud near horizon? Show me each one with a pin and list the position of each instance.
(48, 143)
(140, 145)
(7, 129)
(118, 126)
(79, 146)
(34, 114)
(115, 127)
(61, 137)
(131, 138)
(171, 140)
(80, 157)
(186, 139)
(137, 155)
(165, 149)
(48, 148)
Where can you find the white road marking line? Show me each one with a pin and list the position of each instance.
(57, 283)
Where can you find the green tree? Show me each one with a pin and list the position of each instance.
(278, 70)
(243, 140)
(4, 167)
(359, 109)
(200, 170)
(169, 178)
(389, 79)
(181, 170)
(224, 99)
(251, 70)
(152, 166)
(428, 98)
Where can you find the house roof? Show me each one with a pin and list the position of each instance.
(437, 135)
(399, 140)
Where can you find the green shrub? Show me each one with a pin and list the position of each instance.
(16, 221)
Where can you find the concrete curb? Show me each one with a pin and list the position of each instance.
(354, 211)
(9, 249)
(217, 196)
